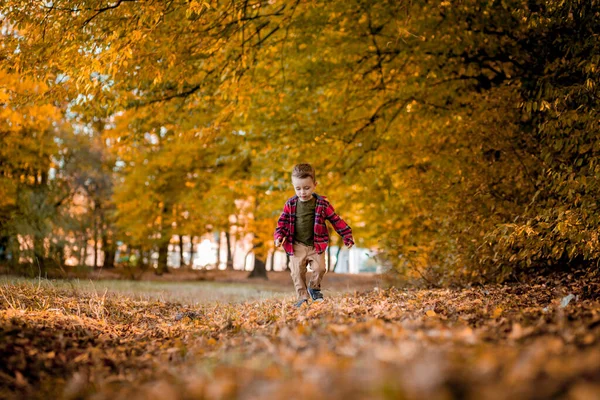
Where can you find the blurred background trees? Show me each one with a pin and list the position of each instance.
(458, 139)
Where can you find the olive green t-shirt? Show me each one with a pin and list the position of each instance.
(304, 231)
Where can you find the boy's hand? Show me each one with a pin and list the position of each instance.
(350, 246)
(279, 242)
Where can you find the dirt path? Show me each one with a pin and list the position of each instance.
(277, 281)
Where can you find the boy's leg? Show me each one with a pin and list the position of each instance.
(317, 264)
(298, 270)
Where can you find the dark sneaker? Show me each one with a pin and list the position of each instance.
(300, 302)
(315, 294)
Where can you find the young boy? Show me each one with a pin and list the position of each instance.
(302, 231)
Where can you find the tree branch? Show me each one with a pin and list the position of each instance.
(103, 9)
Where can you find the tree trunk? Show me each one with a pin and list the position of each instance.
(109, 258)
(83, 251)
(163, 254)
(15, 253)
(273, 260)
(218, 237)
(337, 258)
(109, 251)
(165, 231)
(95, 242)
(191, 252)
(4, 248)
(61, 255)
(229, 257)
(86, 251)
(182, 263)
(259, 270)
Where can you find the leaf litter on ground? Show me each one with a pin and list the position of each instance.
(498, 342)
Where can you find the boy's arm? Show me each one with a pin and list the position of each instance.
(281, 232)
(340, 226)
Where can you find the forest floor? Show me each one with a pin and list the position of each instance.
(230, 337)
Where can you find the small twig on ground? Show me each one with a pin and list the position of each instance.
(10, 303)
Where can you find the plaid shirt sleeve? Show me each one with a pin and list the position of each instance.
(284, 220)
(340, 226)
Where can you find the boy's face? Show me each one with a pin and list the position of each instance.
(304, 187)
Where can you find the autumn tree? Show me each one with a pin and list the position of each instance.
(87, 170)
(29, 195)
(458, 137)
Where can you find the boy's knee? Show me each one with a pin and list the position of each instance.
(318, 266)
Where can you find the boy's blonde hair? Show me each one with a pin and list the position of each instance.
(302, 171)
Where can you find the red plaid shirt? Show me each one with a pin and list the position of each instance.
(323, 211)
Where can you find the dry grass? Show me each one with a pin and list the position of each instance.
(190, 293)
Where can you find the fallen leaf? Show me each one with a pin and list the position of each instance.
(497, 312)
(20, 379)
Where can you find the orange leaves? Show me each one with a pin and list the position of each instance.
(338, 329)
(497, 312)
(196, 7)
(515, 340)
(518, 332)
